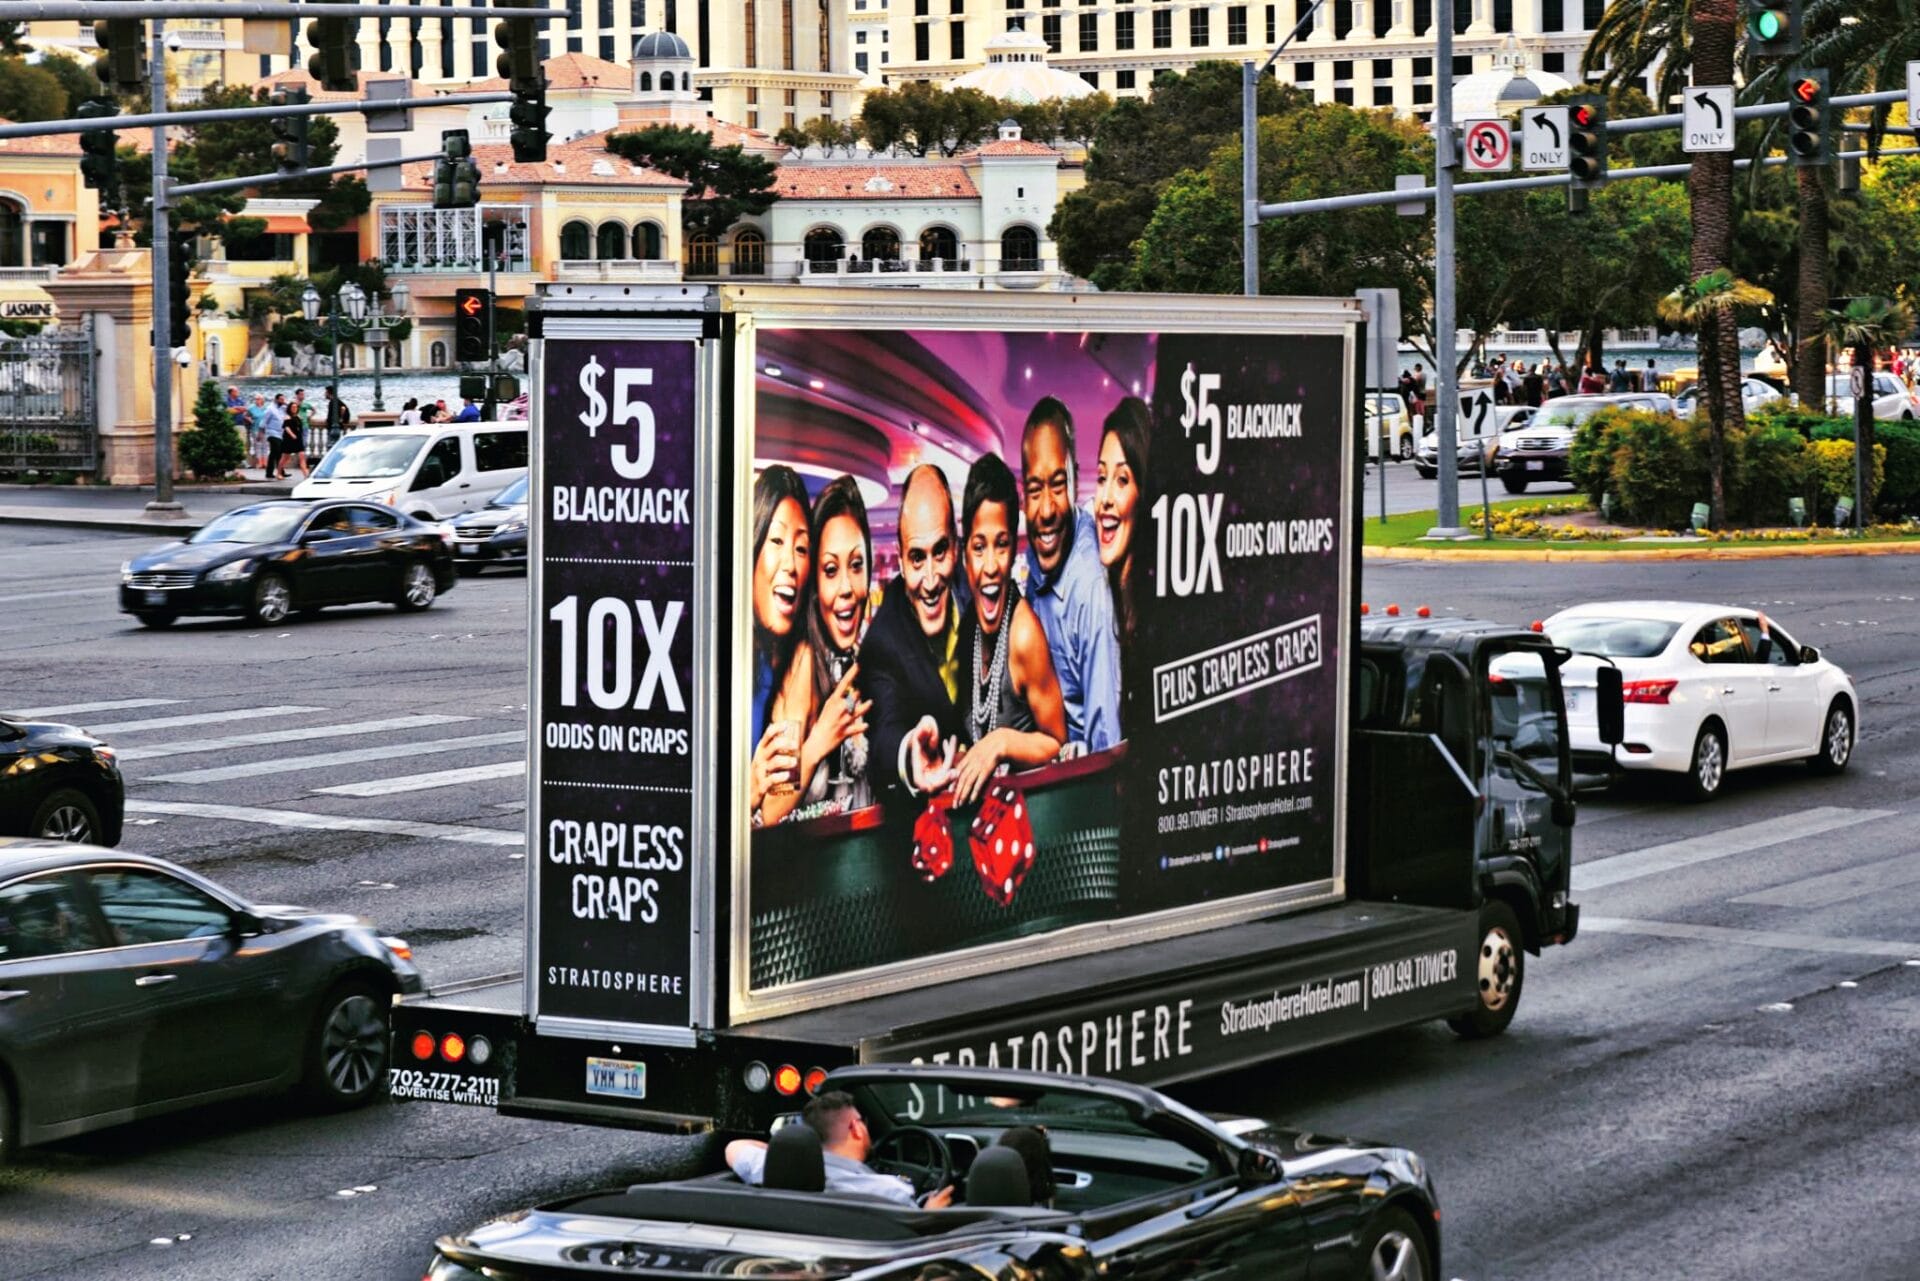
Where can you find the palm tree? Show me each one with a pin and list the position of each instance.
(1706, 305)
(1864, 325)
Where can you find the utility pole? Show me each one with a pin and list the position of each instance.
(1443, 408)
(163, 503)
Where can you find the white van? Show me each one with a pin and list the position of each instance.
(432, 471)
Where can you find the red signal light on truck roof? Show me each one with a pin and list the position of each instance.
(1393, 611)
(786, 1080)
(1424, 612)
(423, 1045)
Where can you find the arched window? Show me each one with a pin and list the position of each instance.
(666, 82)
(213, 354)
(1019, 249)
(880, 244)
(749, 252)
(437, 355)
(576, 241)
(824, 248)
(646, 82)
(611, 242)
(344, 355)
(703, 255)
(939, 242)
(646, 240)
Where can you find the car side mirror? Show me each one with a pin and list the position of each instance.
(1257, 1167)
(1564, 811)
(1808, 654)
(244, 924)
(1611, 710)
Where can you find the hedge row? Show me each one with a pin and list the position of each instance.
(1655, 466)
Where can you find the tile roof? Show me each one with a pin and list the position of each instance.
(568, 71)
(1011, 147)
(46, 144)
(567, 164)
(935, 181)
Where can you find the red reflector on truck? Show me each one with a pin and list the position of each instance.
(816, 1077)
(423, 1045)
(787, 1079)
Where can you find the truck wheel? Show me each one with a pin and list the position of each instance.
(1394, 1249)
(1707, 767)
(1501, 965)
(346, 1055)
(1514, 484)
(1836, 740)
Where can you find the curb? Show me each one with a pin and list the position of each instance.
(107, 522)
(1562, 555)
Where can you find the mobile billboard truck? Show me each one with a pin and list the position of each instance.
(980, 679)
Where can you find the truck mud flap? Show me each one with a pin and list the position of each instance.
(445, 1054)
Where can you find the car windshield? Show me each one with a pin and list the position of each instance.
(514, 495)
(251, 525)
(1556, 415)
(1614, 637)
(369, 457)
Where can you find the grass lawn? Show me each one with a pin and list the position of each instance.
(1408, 529)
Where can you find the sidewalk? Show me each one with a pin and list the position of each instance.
(122, 508)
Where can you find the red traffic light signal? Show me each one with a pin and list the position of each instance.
(472, 305)
(1806, 89)
(1583, 115)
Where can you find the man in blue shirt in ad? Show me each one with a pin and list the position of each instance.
(1066, 585)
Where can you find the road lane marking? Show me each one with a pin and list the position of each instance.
(71, 591)
(203, 718)
(1778, 939)
(1675, 855)
(456, 832)
(1837, 887)
(73, 709)
(425, 782)
(323, 760)
(267, 738)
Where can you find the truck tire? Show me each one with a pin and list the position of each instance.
(346, 1052)
(1500, 972)
(1514, 484)
(1394, 1249)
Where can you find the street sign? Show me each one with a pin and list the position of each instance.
(1488, 146)
(1543, 138)
(1913, 92)
(1707, 119)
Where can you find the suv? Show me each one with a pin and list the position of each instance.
(1538, 451)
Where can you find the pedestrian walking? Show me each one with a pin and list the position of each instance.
(1650, 380)
(335, 415)
(1619, 382)
(409, 413)
(1533, 386)
(1592, 381)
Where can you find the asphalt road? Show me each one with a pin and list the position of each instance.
(1654, 1112)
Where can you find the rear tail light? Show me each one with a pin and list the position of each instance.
(453, 1047)
(423, 1045)
(787, 1079)
(1647, 691)
(756, 1077)
(816, 1077)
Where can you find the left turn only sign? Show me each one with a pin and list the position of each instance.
(1487, 146)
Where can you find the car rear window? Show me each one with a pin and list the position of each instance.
(1615, 637)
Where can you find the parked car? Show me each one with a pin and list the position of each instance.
(134, 987)
(431, 472)
(1538, 451)
(271, 559)
(1755, 393)
(1471, 450)
(1389, 418)
(1709, 688)
(58, 782)
(1891, 399)
(494, 535)
(1135, 1185)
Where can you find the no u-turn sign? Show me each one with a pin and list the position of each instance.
(1487, 146)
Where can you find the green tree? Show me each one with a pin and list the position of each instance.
(78, 80)
(13, 38)
(724, 184)
(1709, 302)
(1864, 326)
(29, 92)
(213, 446)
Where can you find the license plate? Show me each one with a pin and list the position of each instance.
(156, 598)
(1535, 465)
(469, 549)
(617, 1078)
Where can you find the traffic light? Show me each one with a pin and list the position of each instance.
(332, 60)
(98, 168)
(1773, 28)
(519, 60)
(178, 265)
(472, 319)
(456, 178)
(123, 68)
(529, 117)
(1808, 141)
(1587, 140)
(290, 133)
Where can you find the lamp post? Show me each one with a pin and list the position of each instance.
(377, 321)
(354, 299)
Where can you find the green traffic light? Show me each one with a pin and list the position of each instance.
(1769, 24)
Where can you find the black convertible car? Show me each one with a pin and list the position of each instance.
(272, 559)
(1141, 1187)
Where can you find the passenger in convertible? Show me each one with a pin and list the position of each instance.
(845, 1144)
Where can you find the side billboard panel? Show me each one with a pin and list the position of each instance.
(1046, 645)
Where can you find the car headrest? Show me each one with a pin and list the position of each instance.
(794, 1160)
(998, 1177)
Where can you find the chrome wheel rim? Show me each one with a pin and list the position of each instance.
(271, 600)
(353, 1045)
(1839, 737)
(419, 586)
(1497, 969)
(1709, 763)
(1395, 1258)
(67, 823)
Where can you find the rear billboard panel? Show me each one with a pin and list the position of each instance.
(1046, 645)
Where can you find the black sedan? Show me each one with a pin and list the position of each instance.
(495, 534)
(130, 987)
(1117, 1181)
(271, 559)
(58, 782)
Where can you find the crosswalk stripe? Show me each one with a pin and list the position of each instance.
(1837, 887)
(267, 738)
(455, 832)
(203, 718)
(74, 709)
(1778, 939)
(425, 782)
(354, 756)
(1728, 841)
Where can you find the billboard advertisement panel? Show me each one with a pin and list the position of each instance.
(1046, 641)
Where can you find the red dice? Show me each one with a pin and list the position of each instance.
(933, 837)
(1001, 841)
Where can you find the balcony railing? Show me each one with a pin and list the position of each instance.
(417, 239)
(29, 275)
(589, 270)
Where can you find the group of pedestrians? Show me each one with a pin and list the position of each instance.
(1514, 383)
(435, 411)
(276, 430)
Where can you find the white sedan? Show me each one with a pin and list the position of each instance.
(1708, 688)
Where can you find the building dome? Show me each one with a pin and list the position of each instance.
(1017, 71)
(1510, 85)
(661, 44)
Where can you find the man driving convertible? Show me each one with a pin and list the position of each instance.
(845, 1144)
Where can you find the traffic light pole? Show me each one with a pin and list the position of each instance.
(1443, 411)
(163, 504)
(268, 179)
